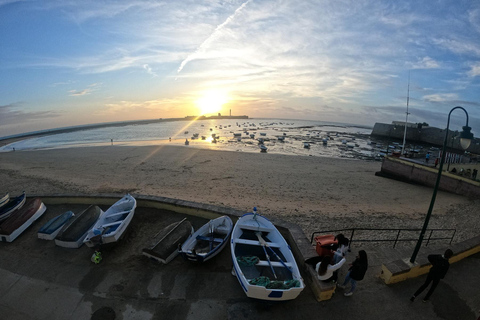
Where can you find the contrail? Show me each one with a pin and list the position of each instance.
(211, 38)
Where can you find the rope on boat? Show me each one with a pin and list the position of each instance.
(269, 284)
(247, 261)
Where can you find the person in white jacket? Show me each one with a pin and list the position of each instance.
(325, 270)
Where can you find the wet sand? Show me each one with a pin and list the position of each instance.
(316, 193)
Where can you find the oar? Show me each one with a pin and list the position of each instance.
(265, 244)
(262, 243)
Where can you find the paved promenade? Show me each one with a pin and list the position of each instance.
(39, 280)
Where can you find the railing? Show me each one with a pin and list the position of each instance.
(386, 232)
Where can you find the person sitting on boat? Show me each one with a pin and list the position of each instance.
(325, 269)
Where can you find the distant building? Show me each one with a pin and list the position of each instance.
(402, 123)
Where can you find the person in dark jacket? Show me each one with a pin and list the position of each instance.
(438, 271)
(356, 272)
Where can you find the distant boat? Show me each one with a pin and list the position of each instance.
(306, 145)
(112, 223)
(281, 138)
(208, 241)
(263, 134)
(73, 233)
(21, 219)
(13, 204)
(187, 142)
(50, 230)
(167, 241)
(263, 261)
(324, 141)
(263, 148)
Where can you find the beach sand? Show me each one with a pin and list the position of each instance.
(313, 192)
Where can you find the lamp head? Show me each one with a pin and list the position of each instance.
(466, 137)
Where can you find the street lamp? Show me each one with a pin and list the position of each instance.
(465, 138)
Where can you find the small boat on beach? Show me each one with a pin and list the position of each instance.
(4, 199)
(306, 145)
(263, 148)
(167, 241)
(21, 219)
(73, 233)
(263, 261)
(208, 241)
(50, 229)
(13, 204)
(112, 223)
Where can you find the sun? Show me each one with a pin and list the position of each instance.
(212, 102)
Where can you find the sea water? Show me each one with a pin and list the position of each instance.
(279, 136)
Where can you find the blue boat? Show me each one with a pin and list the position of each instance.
(50, 229)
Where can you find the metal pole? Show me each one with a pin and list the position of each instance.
(435, 189)
(406, 118)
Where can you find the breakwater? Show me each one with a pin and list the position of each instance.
(424, 134)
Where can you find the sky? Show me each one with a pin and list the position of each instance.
(69, 62)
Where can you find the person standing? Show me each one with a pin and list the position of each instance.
(427, 157)
(325, 269)
(356, 272)
(437, 272)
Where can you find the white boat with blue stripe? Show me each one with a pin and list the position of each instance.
(263, 261)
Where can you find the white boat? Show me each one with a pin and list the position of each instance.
(208, 241)
(164, 247)
(263, 261)
(13, 204)
(74, 232)
(21, 219)
(111, 224)
(50, 229)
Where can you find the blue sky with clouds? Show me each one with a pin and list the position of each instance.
(71, 62)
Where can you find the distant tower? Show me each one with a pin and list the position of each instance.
(230, 112)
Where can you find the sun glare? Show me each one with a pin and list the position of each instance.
(211, 102)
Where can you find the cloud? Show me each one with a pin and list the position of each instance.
(12, 114)
(149, 70)
(205, 44)
(440, 97)
(475, 70)
(425, 63)
(91, 88)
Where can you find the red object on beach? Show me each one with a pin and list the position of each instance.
(326, 245)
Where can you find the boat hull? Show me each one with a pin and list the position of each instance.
(113, 222)
(166, 242)
(75, 231)
(208, 241)
(273, 262)
(51, 229)
(20, 220)
(4, 199)
(12, 205)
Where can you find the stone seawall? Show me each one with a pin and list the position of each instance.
(431, 135)
(412, 172)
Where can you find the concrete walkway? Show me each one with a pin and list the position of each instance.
(39, 280)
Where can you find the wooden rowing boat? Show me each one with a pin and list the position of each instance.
(12, 205)
(73, 233)
(111, 224)
(263, 261)
(208, 241)
(167, 241)
(50, 230)
(21, 219)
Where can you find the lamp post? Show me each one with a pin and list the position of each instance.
(465, 138)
